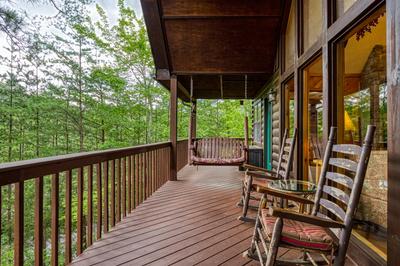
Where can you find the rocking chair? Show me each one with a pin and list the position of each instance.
(257, 175)
(327, 230)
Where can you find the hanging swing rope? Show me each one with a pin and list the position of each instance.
(222, 86)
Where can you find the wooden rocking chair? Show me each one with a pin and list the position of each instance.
(327, 230)
(256, 175)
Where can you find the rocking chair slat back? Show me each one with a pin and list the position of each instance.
(346, 164)
(340, 179)
(286, 155)
(347, 170)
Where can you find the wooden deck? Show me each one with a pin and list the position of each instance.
(187, 222)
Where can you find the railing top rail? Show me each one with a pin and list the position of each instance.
(13, 172)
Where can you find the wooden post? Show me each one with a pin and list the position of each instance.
(393, 101)
(192, 127)
(173, 116)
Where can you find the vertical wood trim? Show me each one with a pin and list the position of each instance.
(99, 201)
(39, 221)
(90, 206)
(55, 192)
(393, 101)
(19, 224)
(79, 226)
(173, 116)
(105, 198)
(68, 217)
(112, 196)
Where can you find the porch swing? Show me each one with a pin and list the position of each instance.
(218, 151)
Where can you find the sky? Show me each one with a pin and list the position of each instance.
(42, 8)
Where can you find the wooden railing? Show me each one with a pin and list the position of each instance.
(98, 188)
(182, 151)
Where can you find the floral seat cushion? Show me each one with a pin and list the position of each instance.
(299, 234)
(218, 161)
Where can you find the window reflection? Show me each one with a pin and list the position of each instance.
(362, 97)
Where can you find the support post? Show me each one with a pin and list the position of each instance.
(192, 128)
(173, 116)
(246, 137)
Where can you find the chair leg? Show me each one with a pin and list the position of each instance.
(251, 252)
(247, 200)
(274, 245)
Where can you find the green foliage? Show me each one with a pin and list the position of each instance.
(86, 85)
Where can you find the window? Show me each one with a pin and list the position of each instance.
(362, 97)
(342, 6)
(289, 105)
(257, 124)
(312, 22)
(312, 121)
(290, 39)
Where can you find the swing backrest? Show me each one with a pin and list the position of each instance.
(219, 148)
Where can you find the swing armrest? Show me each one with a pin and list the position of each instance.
(280, 194)
(261, 175)
(256, 168)
(305, 218)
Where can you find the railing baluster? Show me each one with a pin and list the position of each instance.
(99, 201)
(19, 224)
(39, 221)
(112, 210)
(118, 190)
(89, 236)
(137, 177)
(105, 217)
(153, 181)
(123, 186)
(147, 179)
(54, 218)
(79, 226)
(129, 192)
(141, 194)
(68, 216)
(1, 212)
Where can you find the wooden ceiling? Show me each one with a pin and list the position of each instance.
(210, 39)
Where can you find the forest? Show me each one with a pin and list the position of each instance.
(74, 81)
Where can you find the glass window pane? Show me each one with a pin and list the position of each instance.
(312, 121)
(363, 101)
(343, 5)
(290, 39)
(289, 106)
(312, 21)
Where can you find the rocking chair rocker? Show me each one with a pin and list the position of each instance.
(337, 197)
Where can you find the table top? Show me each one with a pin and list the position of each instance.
(293, 185)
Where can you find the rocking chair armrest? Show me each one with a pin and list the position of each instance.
(262, 175)
(305, 218)
(256, 168)
(280, 194)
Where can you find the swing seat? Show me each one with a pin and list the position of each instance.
(218, 151)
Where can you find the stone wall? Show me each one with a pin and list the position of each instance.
(373, 202)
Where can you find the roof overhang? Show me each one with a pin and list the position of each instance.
(213, 41)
